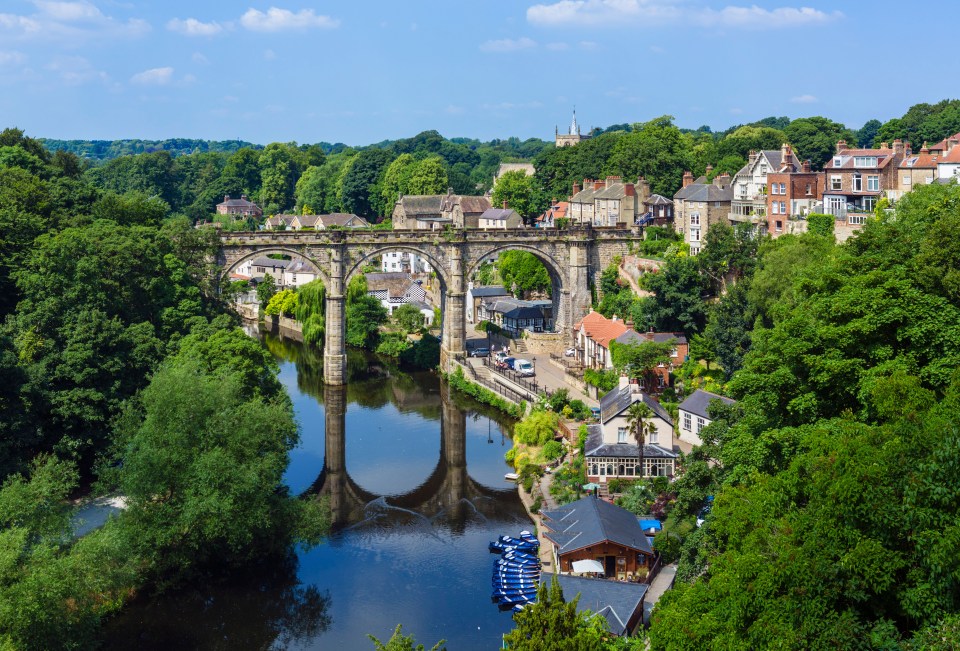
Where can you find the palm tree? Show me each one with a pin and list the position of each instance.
(637, 415)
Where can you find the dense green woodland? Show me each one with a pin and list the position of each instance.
(192, 176)
(120, 372)
(837, 512)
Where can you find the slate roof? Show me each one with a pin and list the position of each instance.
(584, 196)
(616, 602)
(500, 214)
(615, 402)
(634, 337)
(590, 521)
(698, 402)
(613, 191)
(488, 291)
(301, 267)
(595, 447)
(239, 203)
(514, 308)
(264, 261)
(704, 192)
(658, 200)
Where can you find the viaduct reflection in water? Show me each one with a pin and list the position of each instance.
(448, 492)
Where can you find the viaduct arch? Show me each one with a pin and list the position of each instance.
(574, 257)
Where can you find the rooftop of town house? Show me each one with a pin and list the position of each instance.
(618, 400)
(698, 402)
(590, 521)
(600, 329)
(595, 447)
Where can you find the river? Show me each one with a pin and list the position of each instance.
(415, 479)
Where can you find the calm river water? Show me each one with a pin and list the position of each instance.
(415, 477)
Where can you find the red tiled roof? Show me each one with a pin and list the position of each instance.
(601, 329)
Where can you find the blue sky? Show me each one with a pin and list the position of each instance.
(363, 71)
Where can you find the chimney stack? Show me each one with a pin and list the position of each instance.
(687, 178)
(624, 381)
(643, 189)
(786, 157)
(226, 197)
(599, 185)
(752, 156)
(629, 190)
(709, 169)
(841, 145)
(899, 148)
(576, 189)
(721, 180)
(806, 166)
(504, 204)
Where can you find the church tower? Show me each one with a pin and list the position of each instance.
(572, 138)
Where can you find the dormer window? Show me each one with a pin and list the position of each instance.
(837, 161)
(864, 161)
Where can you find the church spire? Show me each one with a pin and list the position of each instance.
(574, 127)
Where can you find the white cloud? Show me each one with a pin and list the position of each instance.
(601, 12)
(67, 23)
(153, 77)
(69, 11)
(12, 58)
(557, 47)
(803, 99)
(612, 13)
(278, 20)
(508, 45)
(755, 17)
(76, 70)
(194, 27)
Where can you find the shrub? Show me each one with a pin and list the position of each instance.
(821, 224)
(552, 450)
(537, 429)
(579, 410)
(537, 503)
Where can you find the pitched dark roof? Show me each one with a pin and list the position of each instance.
(343, 219)
(632, 336)
(699, 401)
(498, 213)
(489, 290)
(704, 192)
(595, 447)
(590, 521)
(658, 200)
(616, 602)
(615, 402)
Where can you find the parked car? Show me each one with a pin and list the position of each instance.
(499, 357)
(570, 352)
(507, 362)
(524, 367)
(480, 352)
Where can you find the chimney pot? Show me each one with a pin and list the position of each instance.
(687, 178)
(841, 145)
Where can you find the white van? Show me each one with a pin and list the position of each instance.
(523, 367)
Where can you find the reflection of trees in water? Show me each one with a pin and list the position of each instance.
(262, 606)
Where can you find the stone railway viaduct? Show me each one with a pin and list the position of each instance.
(573, 257)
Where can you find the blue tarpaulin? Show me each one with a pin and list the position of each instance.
(647, 525)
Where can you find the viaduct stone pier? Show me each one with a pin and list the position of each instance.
(574, 259)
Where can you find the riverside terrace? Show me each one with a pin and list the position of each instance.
(574, 259)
